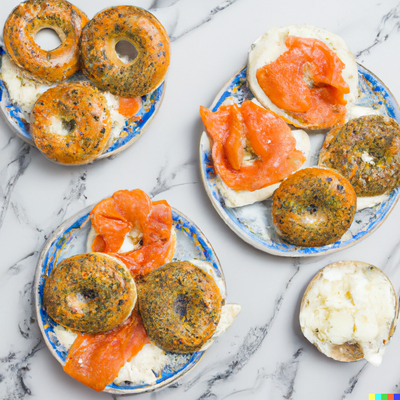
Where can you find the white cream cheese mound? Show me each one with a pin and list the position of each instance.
(25, 92)
(145, 367)
(21, 90)
(360, 111)
(349, 311)
(117, 119)
(372, 201)
(241, 198)
(65, 336)
(272, 44)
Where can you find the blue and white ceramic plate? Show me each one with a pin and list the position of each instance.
(70, 239)
(253, 223)
(133, 129)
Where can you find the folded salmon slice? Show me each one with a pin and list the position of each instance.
(269, 136)
(113, 218)
(233, 145)
(95, 360)
(158, 242)
(307, 81)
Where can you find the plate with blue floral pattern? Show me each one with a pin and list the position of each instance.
(134, 127)
(69, 239)
(253, 223)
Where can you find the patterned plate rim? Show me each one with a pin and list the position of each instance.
(112, 388)
(299, 251)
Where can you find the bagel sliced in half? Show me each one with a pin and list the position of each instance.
(305, 74)
(349, 311)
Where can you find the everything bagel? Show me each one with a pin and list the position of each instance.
(101, 63)
(30, 17)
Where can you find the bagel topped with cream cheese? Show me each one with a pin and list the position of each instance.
(305, 74)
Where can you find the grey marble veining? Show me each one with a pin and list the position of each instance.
(264, 354)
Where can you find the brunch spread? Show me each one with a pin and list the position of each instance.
(65, 124)
(130, 294)
(299, 76)
(124, 313)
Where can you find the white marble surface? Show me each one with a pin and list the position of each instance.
(263, 355)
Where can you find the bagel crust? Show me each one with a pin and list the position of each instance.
(313, 207)
(366, 151)
(180, 306)
(84, 110)
(90, 293)
(101, 63)
(30, 17)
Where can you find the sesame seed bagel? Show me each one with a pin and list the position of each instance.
(71, 123)
(90, 293)
(30, 17)
(101, 63)
(313, 207)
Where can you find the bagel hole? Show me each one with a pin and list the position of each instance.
(47, 39)
(68, 126)
(89, 294)
(181, 304)
(126, 51)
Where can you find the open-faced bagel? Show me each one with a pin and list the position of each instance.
(349, 311)
(271, 45)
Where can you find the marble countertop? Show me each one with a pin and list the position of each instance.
(264, 354)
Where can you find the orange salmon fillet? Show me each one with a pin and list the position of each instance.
(95, 360)
(307, 81)
(270, 138)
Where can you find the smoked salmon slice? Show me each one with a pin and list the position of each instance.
(113, 218)
(129, 107)
(269, 136)
(307, 81)
(158, 243)
(95, 360)
(234, 144)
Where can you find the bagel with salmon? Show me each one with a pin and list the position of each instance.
(305, 74)
(253, 150)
